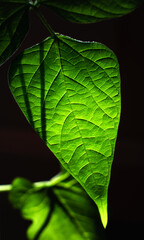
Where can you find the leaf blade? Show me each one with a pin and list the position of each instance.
(70, 93)
(56, 212)
(14, 24)
(88, 11)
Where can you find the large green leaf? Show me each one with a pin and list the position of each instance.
(13, 26)
(70, 93)
(56, 213)
(86, 11)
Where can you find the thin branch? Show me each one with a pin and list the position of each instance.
(44, 21)
(5, 188)
(45, 184)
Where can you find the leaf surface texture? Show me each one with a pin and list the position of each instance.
(69, 91)
(86, 11)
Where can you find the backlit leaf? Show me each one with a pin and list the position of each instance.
(13, 26)
(56, 213)
(69, 91)
(86, 11)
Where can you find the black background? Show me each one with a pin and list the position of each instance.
(22, 152)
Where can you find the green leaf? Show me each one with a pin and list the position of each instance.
(56, 213)
(69, 91)
(14, 25)
(87, 11)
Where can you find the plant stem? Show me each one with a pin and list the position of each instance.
(54, 181)
(33, 2)
(42, 18)
(5, 188)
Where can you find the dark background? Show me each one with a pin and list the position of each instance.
(22, 152)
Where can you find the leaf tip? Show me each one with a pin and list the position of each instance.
(102, 207)
(104, 218)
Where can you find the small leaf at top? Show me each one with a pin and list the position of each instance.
(56, 213)
(69, 91)
(14, 25)
(87, 11)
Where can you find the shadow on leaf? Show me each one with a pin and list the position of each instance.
(57, 212)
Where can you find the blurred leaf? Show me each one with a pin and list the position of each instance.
(87, 11)
(69, 91)
(56, 213)
(14, 25)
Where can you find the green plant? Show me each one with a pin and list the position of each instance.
(70, 93)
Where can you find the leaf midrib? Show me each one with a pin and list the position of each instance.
(93, 175)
